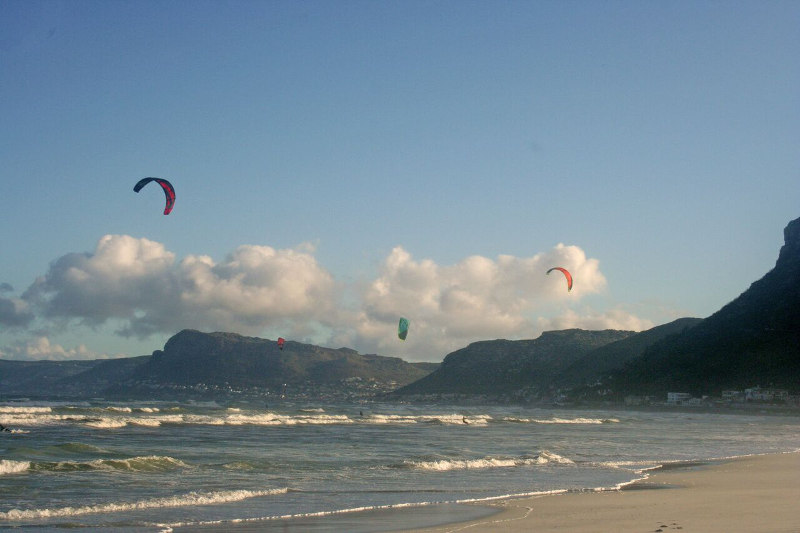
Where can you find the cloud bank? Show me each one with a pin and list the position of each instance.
(40, 348)
(143, 289)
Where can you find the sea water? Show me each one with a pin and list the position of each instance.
(150, 466)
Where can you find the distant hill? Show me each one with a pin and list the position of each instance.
(503, 367)
(753, 340)
(216, 362)
(37, 377)
(192, 357)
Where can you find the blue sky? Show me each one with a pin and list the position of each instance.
(341, 164)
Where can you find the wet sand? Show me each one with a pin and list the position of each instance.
(752, 494)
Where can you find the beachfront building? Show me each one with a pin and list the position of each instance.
(733, 396)
(678, 398)
(757, 394)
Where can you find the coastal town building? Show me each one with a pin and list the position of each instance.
(733, 396)
(678, 398)
(757, 394)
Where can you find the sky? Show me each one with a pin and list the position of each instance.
(340, 164)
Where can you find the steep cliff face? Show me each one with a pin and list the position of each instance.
(755, 339)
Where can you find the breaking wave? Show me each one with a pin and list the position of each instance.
(151, 463)
(458, 419)
(487, 462)
(115, 417)
(556, 420)
(13, 410)
(13, 467)
(190, 499)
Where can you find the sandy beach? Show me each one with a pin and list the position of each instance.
(752, 494)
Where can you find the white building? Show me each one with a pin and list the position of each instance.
(733, 396)
(678, 398)
(757, 394)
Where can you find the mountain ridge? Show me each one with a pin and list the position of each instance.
(752, 340)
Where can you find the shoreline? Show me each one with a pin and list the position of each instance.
(739, 495)
(757, 493)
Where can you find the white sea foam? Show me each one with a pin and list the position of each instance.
(118, 409)
(202, 420)
(556, 420)
(390, 419)
(106, 423)
(550, 457)
(115, 417)
(465, 464)
(456, 419)
(190, 499)
(19, 418)
(150, 463)
(14, 410)
(488, 462)
(13, 467)
(272, 419)
(634, 466)
(122, 421)
(146, 421)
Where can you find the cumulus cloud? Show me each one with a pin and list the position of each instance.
(610, 319)
(477, 298)
(41, 348)
(15, 312)
(140, 287)
(140, 283)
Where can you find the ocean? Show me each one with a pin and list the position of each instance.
(292, 466)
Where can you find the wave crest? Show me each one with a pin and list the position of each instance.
(556, 420)
(444, 465)
(190, 499)
(151, 463)
(13, 467)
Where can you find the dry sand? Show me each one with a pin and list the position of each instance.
(753, 494)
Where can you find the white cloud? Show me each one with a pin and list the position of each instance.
(41, 348)
(141, 285)
(477, 298)
(138, 282)
(611, 319)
